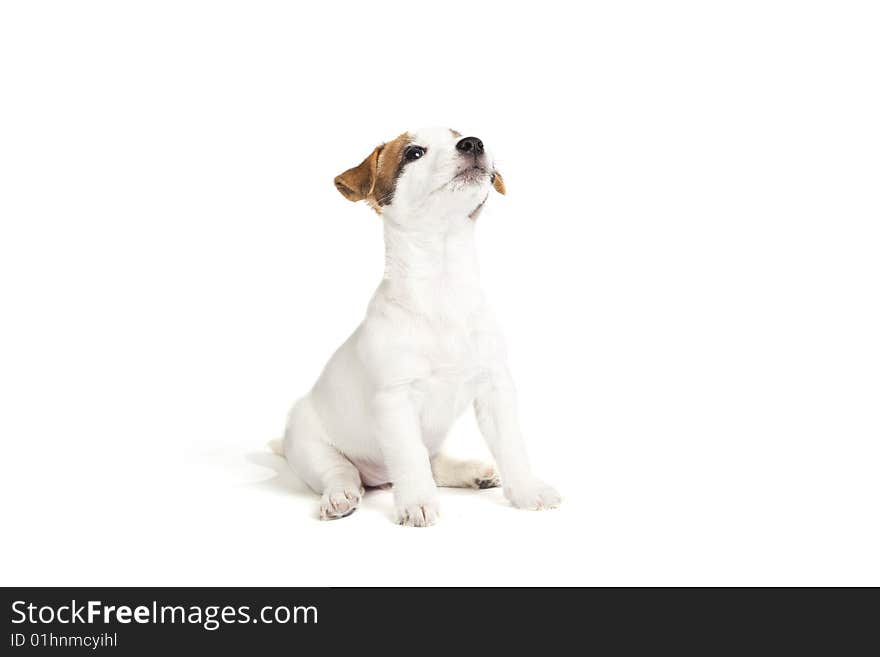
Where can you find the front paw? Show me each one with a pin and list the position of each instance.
(340, 502)
(422, 513)
(532, 494)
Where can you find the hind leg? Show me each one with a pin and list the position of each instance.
(454, 473)
(321, 466)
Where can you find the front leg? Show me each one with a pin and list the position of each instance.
(495, 408)
(400, 438)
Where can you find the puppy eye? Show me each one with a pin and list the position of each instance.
(412, 153)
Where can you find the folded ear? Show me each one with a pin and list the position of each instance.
(498, 183)
(356, 183)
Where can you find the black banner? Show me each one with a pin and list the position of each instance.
(131, 621)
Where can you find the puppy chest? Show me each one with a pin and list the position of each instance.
(442, 402)
(457, 374)
(455, 358)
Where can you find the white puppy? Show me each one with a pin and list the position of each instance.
(427, 349)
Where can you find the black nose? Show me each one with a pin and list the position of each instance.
(470, 145)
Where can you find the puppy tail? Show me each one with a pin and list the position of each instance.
(276, 447)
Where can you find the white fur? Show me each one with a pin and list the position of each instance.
(427, 350)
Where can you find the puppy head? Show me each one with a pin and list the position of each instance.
(433, 170)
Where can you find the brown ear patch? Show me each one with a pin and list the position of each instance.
(375, 178)
(388, 169)
(498, 183)
(356, 183)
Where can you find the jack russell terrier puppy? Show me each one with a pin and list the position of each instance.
(428, 348)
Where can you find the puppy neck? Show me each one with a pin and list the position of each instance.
(431, 250)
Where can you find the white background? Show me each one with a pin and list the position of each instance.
(686, 266)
